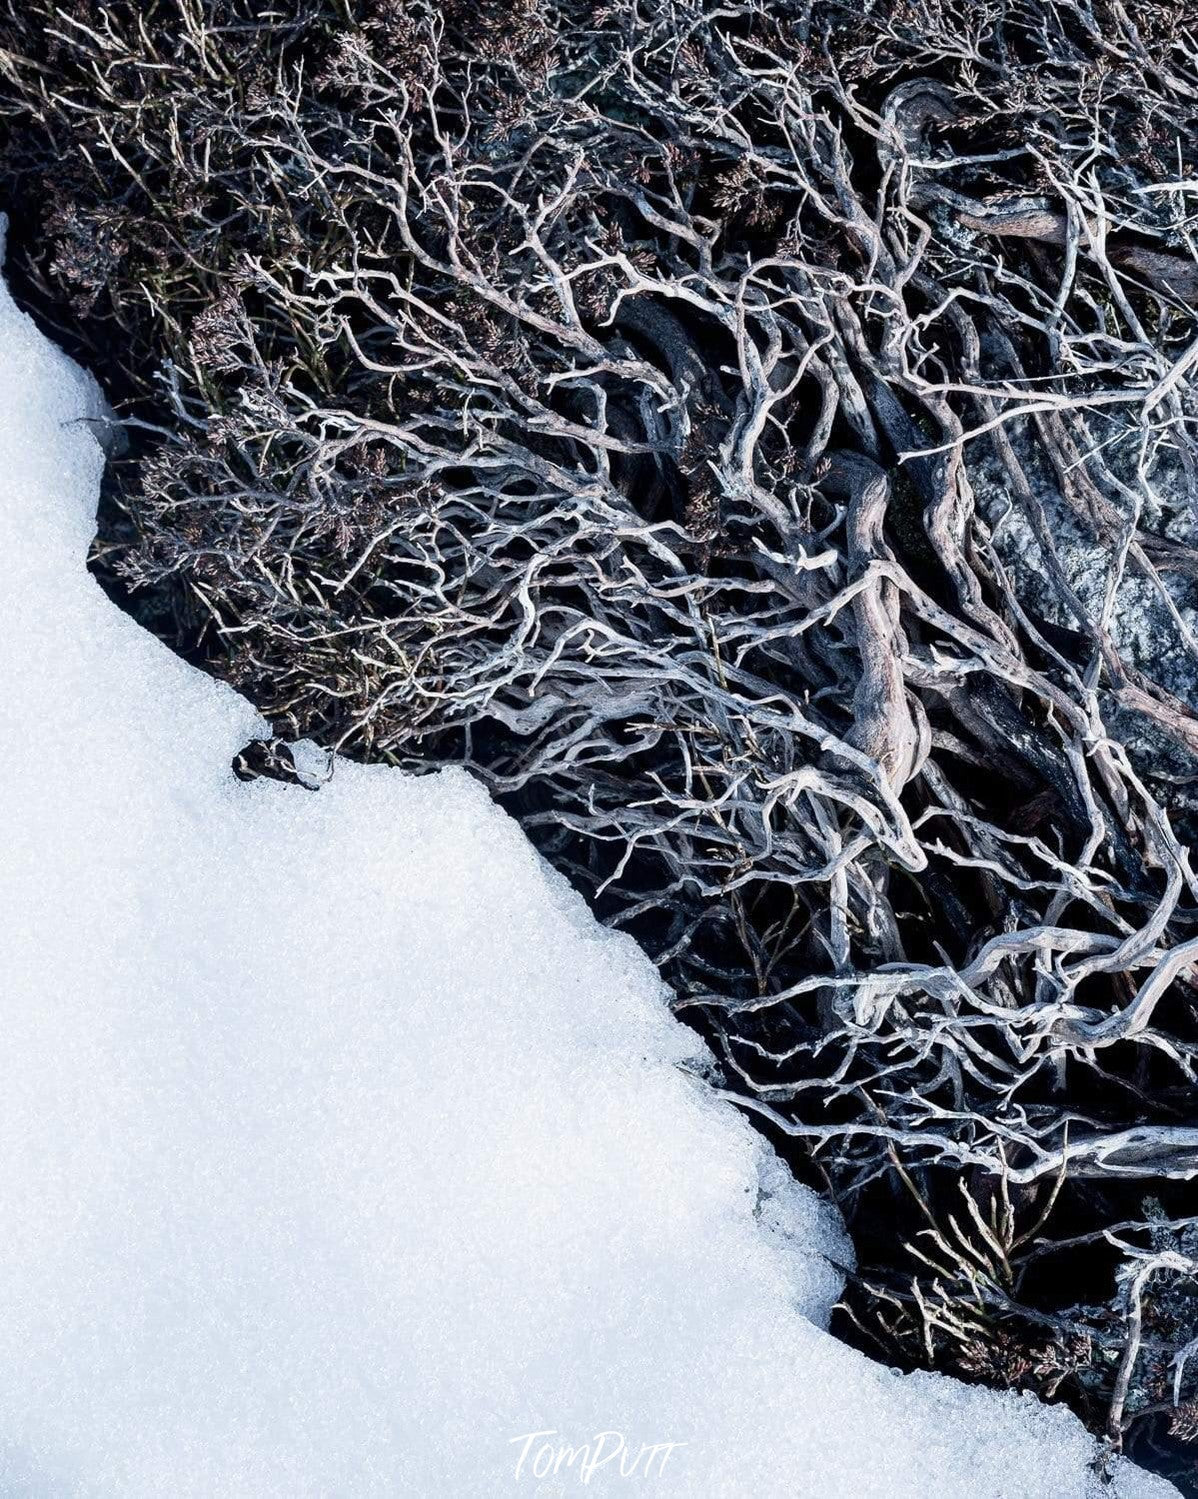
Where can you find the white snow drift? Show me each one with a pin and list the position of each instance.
(340, 1151)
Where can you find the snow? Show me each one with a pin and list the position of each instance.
(341, 1151)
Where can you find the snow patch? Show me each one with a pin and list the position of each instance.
(340, 1148)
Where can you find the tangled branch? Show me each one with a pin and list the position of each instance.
(759, 441)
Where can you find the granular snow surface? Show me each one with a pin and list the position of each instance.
(341, 1152)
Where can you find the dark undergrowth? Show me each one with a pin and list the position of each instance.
(758, 441)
